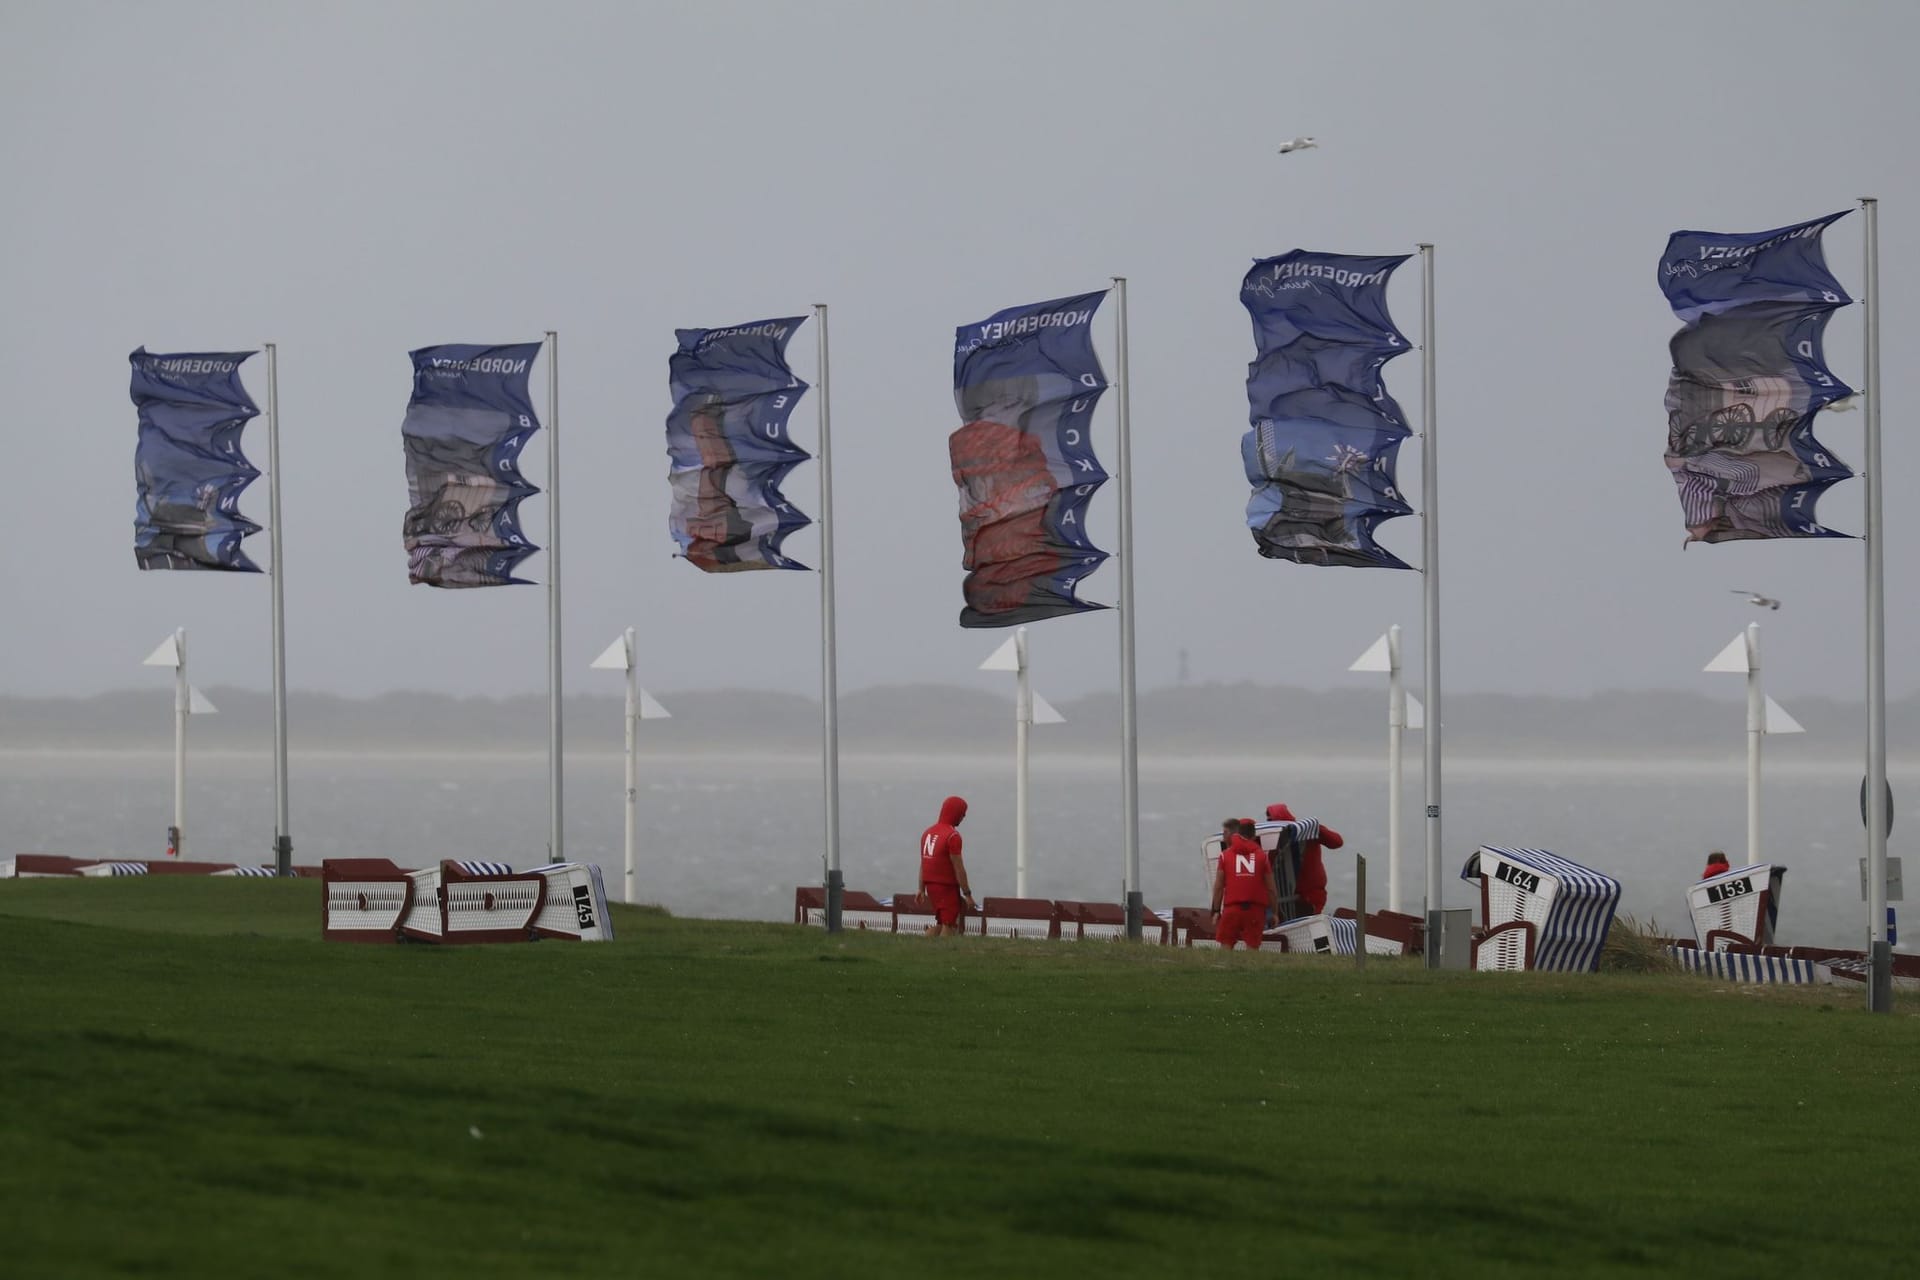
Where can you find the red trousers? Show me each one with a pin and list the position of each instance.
(1241, 922)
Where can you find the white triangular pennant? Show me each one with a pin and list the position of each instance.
(1416, 714)
(651, 710)
(1005, 658)
(1732, 659)
(198, 704)
(1375, 658)
(1778, 721)
(167, 655)
(613, 657)
(1043, 712)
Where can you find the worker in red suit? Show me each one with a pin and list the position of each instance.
(1244, 890)
(1310, 881)
(943, 873)
(1717, 865)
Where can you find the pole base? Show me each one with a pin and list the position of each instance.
(1880, 978)
(836, 889)
(1136, 916)
(283, 855)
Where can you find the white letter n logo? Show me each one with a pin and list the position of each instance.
(930, 845)
(1243, 864)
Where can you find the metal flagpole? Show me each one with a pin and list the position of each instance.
(1880, 978)
(633, 768)
(1023, 725)
(1129, 729)
(182, 705)
(1396, 729)
(829, 658)
(1430, 606)
(556, 835)
(282, 831)
(1756, 726)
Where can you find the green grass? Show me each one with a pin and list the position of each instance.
(192, 1084)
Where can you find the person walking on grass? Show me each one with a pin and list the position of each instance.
(1244, 890)
(943, 874)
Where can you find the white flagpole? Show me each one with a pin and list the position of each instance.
(1396, 728)
(1023, 726)
(1129, 729)
(556, 832)
(1880, 978)
(633, 767)
(182, 705)
(1430, 606)
(1756, 726)
(829, 658)
(282, 831)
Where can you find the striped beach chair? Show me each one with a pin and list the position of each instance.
(1541, 911)
(1752, 967)
(1737, 908)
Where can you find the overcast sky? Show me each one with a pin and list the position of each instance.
(354, 180)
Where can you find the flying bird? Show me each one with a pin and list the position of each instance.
(1756, 599)
(1297, 144)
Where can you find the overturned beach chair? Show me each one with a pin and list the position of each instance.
(1018, 918)
(363, 899)
(1752, 967)
(1106, 922)
(1541, 911)
(857, 910)
(462, 901)
(114, 869)
(1193, 927)
(1737, 908)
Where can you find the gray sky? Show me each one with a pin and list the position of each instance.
(353, 180)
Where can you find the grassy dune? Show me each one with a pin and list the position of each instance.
(192, 1084)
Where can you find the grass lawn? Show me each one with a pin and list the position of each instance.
(192, 1084)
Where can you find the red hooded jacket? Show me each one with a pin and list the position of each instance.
(1311, 884)
(940, 844)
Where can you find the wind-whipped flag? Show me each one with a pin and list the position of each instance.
(1326, 435)
(465, 426)
(1026, 381)
(730, 448)
(1749, 374)
(188, 467)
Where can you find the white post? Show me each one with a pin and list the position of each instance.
(1396, 729)
(1023, 725)
(556, 810)
(1129, 729)
(1880, 951)
(182, 706)
(631, 889)
(829, 658)
(282, 831)
(1430, 610)
(624, 655)
(1756, 726)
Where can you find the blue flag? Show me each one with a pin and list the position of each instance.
(729, 448)
(1026, 381)
(1749, 374)
(465, 426)
(1326, 435)
(188, 468)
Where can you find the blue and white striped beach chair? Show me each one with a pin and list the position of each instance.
(1541, 911)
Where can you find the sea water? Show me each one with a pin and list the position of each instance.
(732, 835)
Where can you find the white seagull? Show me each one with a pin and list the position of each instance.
(1297, 144)
(1755, 598)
